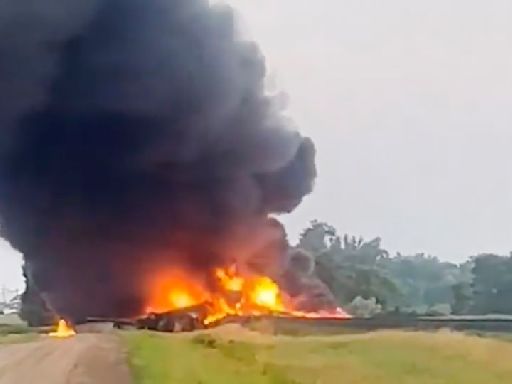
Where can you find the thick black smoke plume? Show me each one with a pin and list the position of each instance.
(136, 134)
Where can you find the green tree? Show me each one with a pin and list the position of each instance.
(424, 280)
(492, 284)
(462, 298)
(348, 265)
(318, 237)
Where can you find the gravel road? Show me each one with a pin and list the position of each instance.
(83, 359)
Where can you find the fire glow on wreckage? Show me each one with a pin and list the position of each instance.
(233, 294)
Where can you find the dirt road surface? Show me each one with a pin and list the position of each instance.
(83, 359)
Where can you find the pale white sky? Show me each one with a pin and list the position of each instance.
(10, 267)
(410, 105)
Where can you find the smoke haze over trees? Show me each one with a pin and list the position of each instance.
(355, 269)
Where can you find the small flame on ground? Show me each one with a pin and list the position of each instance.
(63, 330)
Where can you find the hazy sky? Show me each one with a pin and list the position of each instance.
(410, 105)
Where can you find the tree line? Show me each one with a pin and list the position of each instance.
(366, 279)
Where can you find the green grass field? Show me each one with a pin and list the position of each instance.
(235, 355)
(17, 338)
(13, 330)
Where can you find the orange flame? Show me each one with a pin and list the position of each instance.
(63, 330)
(175, 290)
(236, 295)
(181, 299)
(229, 280)
(265, 293)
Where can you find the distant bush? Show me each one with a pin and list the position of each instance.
(439, 310)
(14, 330)
(11, 319)
(361, 307)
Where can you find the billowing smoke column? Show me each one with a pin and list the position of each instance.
(136, 134)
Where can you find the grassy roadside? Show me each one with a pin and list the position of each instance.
(383, 357)
(16, 333)
(15, 339)
(14, 330)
